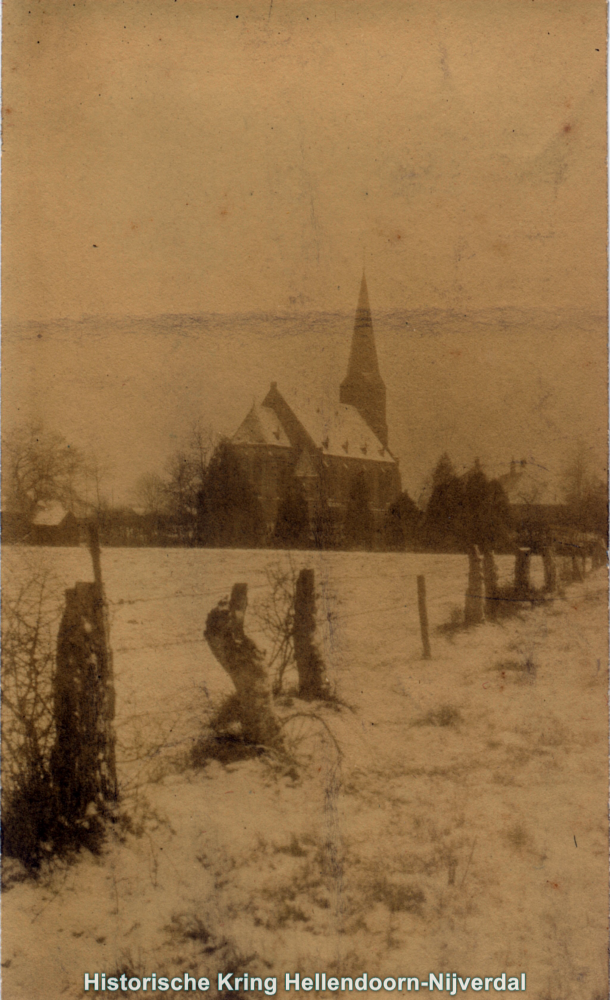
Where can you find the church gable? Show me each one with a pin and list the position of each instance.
(261, 427)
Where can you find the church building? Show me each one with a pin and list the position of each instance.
(331, 449)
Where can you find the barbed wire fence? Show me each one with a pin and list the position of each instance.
(141, 740)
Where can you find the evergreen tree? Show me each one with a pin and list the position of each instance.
(486, 520)
(229, 511)
(292, 528)
(443, 471)
(402, 524)
(358, 524)
(444, 518)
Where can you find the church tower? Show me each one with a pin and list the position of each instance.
(363, 386)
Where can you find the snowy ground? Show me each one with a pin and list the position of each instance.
(463, 828)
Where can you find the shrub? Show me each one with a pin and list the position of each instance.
(29, 619)
(274, 615)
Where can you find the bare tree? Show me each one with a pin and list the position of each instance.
(150, 493)
(585, 489)
(96, 472)
(577, 473)
(186, 470)
(201, 444)
(274, 613)
(41, 467)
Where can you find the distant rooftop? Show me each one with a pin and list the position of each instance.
(50, 516)
(528, 483)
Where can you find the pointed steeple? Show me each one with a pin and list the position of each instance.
(363, 386)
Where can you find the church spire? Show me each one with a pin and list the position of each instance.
(363, 386)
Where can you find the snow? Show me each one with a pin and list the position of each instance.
(477, 846)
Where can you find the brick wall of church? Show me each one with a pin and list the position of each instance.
(270, 469)
(383, 480)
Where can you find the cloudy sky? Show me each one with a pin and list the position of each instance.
(184, 156)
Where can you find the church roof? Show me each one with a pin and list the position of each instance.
(337, 429)
(261, 426)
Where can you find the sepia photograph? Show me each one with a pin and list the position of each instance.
(304, 499)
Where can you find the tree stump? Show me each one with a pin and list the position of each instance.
(490, 577)
(473, 610)
(245, 665)
(83, 768)
(310, 665)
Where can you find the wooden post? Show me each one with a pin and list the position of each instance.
(522, 572)
(244, 663)
(83, 768)
(94, 549)
(550, 570)
(239, 602)
(310, 666)
(423, 616)
(565, 567)
(83, 764)
(473, 610)
(577, 574)
(490, 578)
(106, 672)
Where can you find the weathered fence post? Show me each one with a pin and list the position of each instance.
(550, 570)
(473, 610)
(490, 577)
(310, 665)
(83, 765)
(599, 555)
(245, 665)
(577, 574)
(423, 616)
(522, 572)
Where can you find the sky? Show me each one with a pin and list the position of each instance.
(171, 157)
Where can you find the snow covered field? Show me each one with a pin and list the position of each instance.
(159, 599)
(464, 829)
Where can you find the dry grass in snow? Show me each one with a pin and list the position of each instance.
(463, 827)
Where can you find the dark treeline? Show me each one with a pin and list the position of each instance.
(226, 512)
(205, 498)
